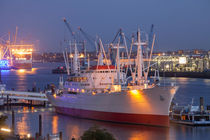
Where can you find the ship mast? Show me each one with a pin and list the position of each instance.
(75, 60)
(100, 56)
(139, 59)
(118, 62)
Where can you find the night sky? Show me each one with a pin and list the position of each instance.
(179, 24)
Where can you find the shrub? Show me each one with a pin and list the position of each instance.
(96, 133)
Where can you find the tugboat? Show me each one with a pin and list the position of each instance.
(191, 115)
(60, 70)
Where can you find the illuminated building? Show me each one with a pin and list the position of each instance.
(183, 63)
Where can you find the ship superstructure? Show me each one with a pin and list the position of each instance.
(103, 92)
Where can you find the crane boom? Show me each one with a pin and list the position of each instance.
(87, 36)
(69, 28)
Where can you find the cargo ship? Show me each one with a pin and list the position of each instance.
(15, 55)
(22, 56)
(104, 92)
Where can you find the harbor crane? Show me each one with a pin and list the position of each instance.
(89, 38)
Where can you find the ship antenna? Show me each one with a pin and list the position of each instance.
(139, 58)
(118, 62)
(150, 57)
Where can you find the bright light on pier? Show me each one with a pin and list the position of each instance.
(28, 135)
(6, 129)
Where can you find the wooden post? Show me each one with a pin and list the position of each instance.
(201, 104)
(40, 125)
(36, 136)
(48, 137)
(60, 136)
(31, 103)
(13, 122)
(7, 100)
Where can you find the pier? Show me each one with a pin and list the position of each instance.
(34, 96)
(21, 98)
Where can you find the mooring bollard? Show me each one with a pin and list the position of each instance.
(40, 125)
(60, 136)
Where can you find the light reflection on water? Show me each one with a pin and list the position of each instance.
(26, 71)
(27, 122)
(26, 79)
(22, 125)
(55, 125)
(206, 82)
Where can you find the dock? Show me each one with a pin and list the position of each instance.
(34, 96)
(21, 98)
(191, 115)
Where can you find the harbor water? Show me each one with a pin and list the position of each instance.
(26, 119)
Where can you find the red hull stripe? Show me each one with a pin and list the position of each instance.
(102, 67)
(156, 120)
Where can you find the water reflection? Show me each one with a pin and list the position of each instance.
(206, 82)
(74, 131)
(55, 124)
(22, 77)
(26, 71)
(22, 125)
(183, 132)
(74, 127)
(182, 80)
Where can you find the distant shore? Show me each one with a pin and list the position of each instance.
(184, 74)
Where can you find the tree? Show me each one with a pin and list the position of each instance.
(96, 133)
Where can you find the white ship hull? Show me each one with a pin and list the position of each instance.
(149, 106)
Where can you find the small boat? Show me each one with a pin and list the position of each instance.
(60, 70)
(1, 101)
(2, 88)
(191, 115)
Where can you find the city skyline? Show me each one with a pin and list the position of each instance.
(178, 24)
